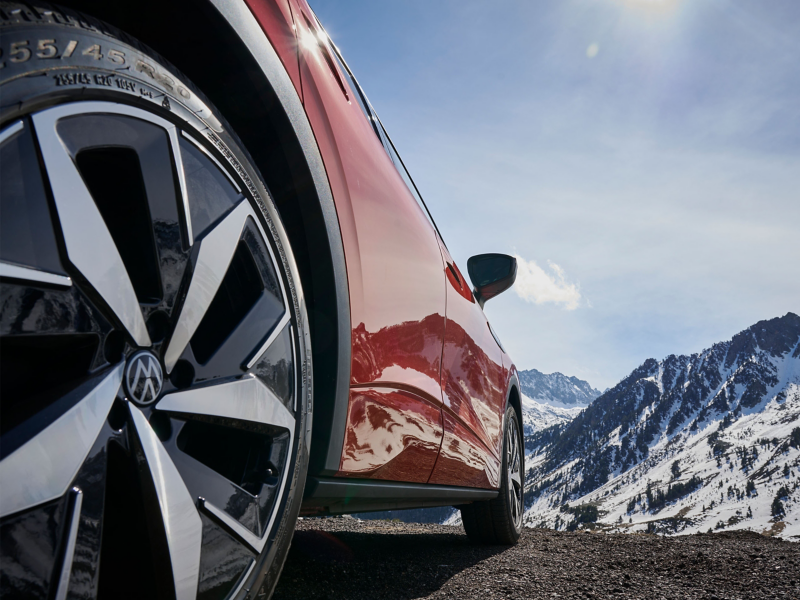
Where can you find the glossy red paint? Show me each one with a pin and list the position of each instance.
(406, 355)
(275, 17)
(426, 372)
(393, 259)
(408, 352)
(391, 434)
(473, 383)
(463, 459)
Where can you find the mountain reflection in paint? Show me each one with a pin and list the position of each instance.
(398, 415)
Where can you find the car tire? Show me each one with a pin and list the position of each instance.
(156, 360)
(499, 521)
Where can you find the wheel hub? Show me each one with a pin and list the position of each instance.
(144, 378)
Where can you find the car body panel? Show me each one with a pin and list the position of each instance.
(391, 434)
(394, 266)
(421, 345)
(277, 21)
(473, 384)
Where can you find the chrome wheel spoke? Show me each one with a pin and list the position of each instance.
(249, 401)
(246, 399)
(277, 330)
(32, 275)
(182, 524)
(76, 501)
(216, 251)
(240, 531)
(43, 468)
(90, 246)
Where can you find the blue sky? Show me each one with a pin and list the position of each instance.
(640, 157)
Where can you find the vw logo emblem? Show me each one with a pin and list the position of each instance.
(143, 377)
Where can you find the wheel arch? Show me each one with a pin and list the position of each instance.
(219, 45)
(513, 396)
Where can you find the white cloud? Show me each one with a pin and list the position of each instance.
(536, 285)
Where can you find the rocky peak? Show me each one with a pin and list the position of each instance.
(556, 388)
(735, 395)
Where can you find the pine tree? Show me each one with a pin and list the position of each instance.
(794, 438)
(778, 509)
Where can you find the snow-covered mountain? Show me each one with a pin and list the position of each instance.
(686, 444)
(537, 415)
(556, 389)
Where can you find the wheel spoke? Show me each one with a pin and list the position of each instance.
(43, 467)
(515, 459)
(242, 532)
(174, 141)
(514, 466)
(182, 524)
(277, 330)
(32, 275)
(76, 501)
(242, 580)
(246, 399)
(216, 251)
(11, 130)
(90, 246)
(516, 447)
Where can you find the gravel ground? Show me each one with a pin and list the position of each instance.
(343, 558)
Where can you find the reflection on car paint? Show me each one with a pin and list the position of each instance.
(408, 353)
(463, 459)
(471, 427)
(473, 386)
(391, 434)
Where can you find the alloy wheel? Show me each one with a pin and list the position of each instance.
(514, 471)
(149, 370)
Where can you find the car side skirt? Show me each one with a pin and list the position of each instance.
(338, 496)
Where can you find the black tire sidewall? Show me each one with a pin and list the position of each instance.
(147, 81)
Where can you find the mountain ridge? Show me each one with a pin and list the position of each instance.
(723, 401)
(556, 389)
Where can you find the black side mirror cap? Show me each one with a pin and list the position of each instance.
(491, 274)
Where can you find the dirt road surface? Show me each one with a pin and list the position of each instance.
(343, 558)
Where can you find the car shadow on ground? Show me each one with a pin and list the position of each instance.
(385, 564)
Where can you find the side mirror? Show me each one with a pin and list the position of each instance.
(491, 274)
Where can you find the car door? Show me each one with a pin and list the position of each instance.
(394, 270)
(473, 385)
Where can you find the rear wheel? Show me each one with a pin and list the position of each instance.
(499, 521)
(154, 348)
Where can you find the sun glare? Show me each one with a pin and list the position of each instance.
(652, 5)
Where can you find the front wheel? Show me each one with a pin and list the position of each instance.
(499, 521)
(155, 355)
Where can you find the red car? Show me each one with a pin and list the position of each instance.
(224, 304)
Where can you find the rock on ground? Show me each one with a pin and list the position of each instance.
(344, 558)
